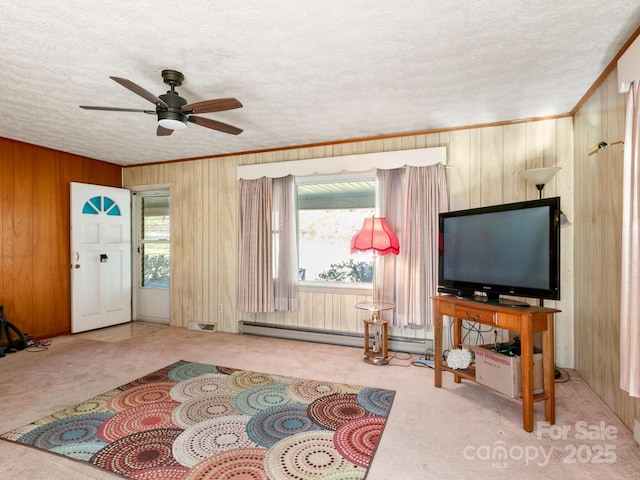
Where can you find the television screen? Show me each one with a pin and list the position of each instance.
(510, 249)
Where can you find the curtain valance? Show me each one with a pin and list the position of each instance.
(420, 157)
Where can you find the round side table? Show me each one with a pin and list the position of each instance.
(376, 335)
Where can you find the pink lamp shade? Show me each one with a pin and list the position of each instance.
(376, 237)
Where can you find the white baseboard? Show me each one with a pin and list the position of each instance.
(397, 344)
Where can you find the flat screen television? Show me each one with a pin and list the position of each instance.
(511, 249)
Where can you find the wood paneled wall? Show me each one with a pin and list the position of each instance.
(35, 272)
(484, 165)
(598, 245)
(483, 169)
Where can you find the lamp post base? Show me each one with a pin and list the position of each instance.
(376, 360)
(375, 346)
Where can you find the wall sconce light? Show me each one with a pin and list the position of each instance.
(602, 145)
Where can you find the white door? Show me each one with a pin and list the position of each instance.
(100, 256)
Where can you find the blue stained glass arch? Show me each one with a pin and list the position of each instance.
(98, 204)
(107, 203)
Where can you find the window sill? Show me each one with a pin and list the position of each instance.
(332, 287)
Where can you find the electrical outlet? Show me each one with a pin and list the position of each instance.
(220, 307)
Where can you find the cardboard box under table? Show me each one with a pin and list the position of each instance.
(504, 373)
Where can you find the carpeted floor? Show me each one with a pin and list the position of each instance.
(191, 420)
(459, 431)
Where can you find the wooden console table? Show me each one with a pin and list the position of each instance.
(523, 320)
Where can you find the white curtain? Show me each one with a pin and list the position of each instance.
(390, 204)
(255, 259)
(630, 298)
(415, 271)
(285, 245)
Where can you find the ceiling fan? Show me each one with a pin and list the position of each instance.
(173, 111)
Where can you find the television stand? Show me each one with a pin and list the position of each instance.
(505, 302)
(525, 322)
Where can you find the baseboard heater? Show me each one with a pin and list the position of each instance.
(396, 344)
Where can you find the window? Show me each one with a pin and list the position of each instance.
(330, 211)
(154, 241)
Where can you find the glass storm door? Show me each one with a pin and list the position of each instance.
(153, 248)
(100, 256)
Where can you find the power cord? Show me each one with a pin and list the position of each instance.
(562, 376)
(395, 356)
(471, 327)
(34, 345)
(428, 360)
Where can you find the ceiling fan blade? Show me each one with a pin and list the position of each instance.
(207, 106)
(215, 125)
(113, 109)
(163, 132)
(140, 91)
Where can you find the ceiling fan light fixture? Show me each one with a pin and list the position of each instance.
(173, 111)
(172, 124)
(172, 120)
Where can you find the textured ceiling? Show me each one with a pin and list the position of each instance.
(306, 71)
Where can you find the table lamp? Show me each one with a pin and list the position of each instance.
(376, 237)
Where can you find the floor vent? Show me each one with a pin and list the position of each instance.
(203, 327)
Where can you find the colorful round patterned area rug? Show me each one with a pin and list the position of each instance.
(189, 370)
(191, 421)
(172, 472)
(309, 390)
(203, 408)
(206, 384)
(161, 375)
(213, 436)
(236, 464)
(79, 451)
(273, 424)
(256, 399)
(376, 400)
(141, 395)
(226, 370)
(356, 440)
(306, 455)
(334, 410)
(96, 404)
(138, 452)
(66, 431)
(241, 380)
(151, 416)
